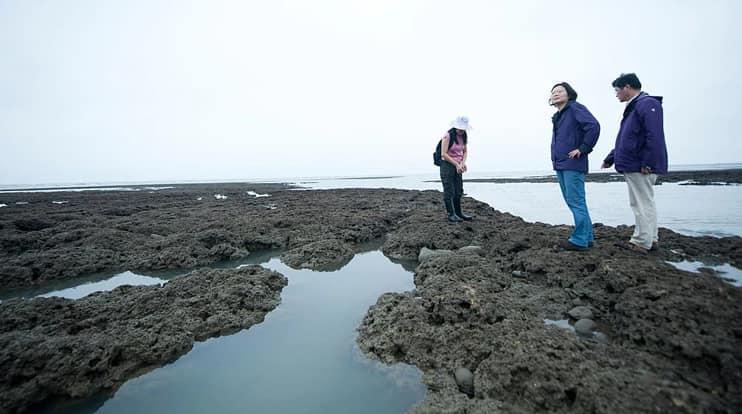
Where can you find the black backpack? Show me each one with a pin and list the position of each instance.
(437, 160)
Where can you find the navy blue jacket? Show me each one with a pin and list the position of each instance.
(641, 139)
(574, 127)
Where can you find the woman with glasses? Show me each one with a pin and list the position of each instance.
(574, 134)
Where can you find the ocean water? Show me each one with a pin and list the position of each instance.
(687, 209)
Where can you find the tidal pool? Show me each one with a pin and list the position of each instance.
(726, 272)
(302, 359)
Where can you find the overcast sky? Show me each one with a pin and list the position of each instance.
(97, 91)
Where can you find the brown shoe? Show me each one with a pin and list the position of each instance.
(633, 247)
(568, 245)
(638, 248)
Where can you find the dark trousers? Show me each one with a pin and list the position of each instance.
(453, 185)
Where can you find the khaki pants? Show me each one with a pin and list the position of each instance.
(641, 198)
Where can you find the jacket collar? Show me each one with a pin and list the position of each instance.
(630, 106)
(558, 114)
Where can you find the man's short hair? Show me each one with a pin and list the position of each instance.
(627, 79)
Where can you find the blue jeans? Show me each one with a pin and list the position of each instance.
(572, 184)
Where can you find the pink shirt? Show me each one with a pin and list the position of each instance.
(457, 150)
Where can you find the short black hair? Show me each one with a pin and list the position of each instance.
(571, 92)
(627, 79)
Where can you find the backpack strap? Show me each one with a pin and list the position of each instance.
(450, 141)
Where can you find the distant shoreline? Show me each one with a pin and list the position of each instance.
(690, 177)
(148, 187)
(496, 177)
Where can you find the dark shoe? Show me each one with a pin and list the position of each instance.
(568, 245)
(590, 243)
(637, 248)
(465, 217)
(655, 247)
(457, 209)
(451, 212)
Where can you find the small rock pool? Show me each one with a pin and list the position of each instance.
(302, 359)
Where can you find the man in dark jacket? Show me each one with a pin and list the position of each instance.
(575, 132)
(640, 154)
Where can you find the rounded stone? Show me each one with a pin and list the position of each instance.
(426, 254)
(581, 312)
(584, 327)
(465, 381)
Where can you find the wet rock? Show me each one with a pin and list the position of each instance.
(59, 348)
(467, 310)
(584, 327)
(600, 337)
(465, 381)
(581, 312)
(467, 313)
(472, 249)
(227, 251)
(67, 244)
(32, 224)
(119, 211)
(319, 255)
(426, 254)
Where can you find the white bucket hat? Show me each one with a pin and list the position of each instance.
(461, 122)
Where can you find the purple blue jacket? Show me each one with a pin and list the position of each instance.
(641, 138)
(574, 127)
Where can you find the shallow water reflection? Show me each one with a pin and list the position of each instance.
(726, 272)
(301, 359)
(125, 278)
(79, 287)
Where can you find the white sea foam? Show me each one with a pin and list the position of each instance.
(220, 197)
(60, 202)
(256, 195)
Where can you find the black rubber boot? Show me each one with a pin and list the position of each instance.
(457, 210)
(452, 217)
